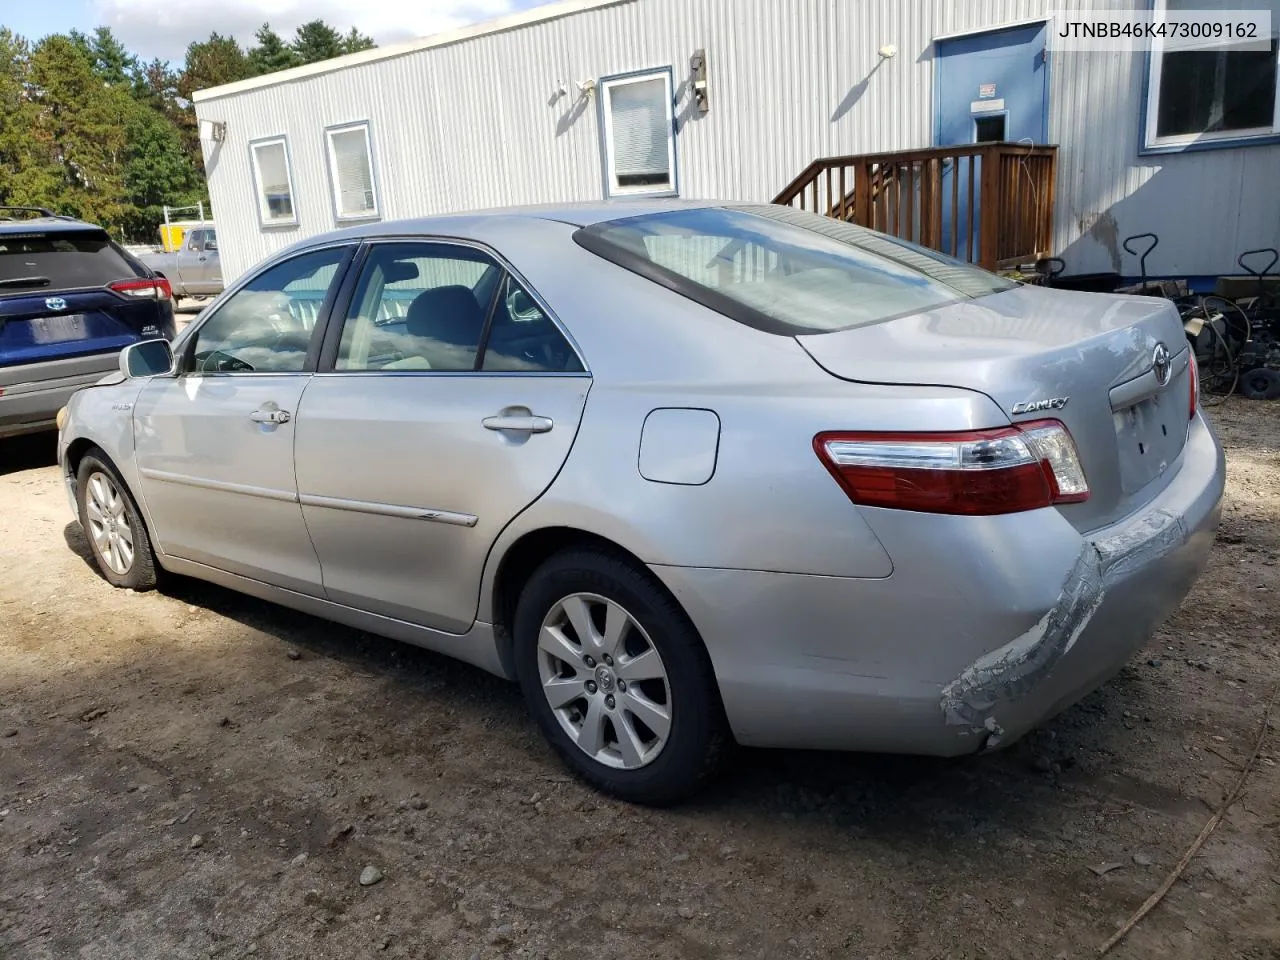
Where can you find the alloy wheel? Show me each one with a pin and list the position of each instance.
(605, 681)
(109, 523)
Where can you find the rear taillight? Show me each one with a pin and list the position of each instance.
(977, 473)
(149, 288)
(1194, 371)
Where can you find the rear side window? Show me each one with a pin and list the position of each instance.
(33, 261)
(783, 271)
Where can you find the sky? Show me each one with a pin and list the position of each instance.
(163, 28)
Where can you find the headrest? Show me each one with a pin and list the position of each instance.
(447, 314)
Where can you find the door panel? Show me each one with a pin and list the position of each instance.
(219, 484)
(987, 83)
(214, 445)
(397, 449)
(452, 403)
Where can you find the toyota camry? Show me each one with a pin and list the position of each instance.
(690, 473)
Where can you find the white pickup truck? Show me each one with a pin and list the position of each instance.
(194, 270)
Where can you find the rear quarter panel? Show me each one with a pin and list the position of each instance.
(770, 504)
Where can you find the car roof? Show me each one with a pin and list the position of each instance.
(472, 223)
(53, 224)
(586, 213)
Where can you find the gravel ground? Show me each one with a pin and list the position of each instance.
(199, 774)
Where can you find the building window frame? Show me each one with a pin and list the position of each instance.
(335, 188)
(1149, 143)
(261, 201)
(611, 186)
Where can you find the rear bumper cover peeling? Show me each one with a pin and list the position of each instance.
(1013, 671)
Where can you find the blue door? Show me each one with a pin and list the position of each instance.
(989, 87)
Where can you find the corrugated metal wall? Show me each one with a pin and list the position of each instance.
(475, 124)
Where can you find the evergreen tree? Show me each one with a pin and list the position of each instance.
(28, 176)
(212, 63)
(272, 53)
(317, 41)
(158, 170)
(78, 127)
(355, 41)
(111, 61)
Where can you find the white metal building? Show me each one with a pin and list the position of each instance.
(587, 98)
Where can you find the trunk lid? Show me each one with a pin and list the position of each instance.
(1086, 359)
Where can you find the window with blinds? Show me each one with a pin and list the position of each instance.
(351, 171)
(639, 136)
(273, 180)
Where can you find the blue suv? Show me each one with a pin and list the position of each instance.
(70, 301)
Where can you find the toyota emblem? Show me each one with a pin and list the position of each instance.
(1161, 363)
(55, 303)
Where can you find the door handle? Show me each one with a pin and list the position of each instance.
(269, 416)
(528, 424)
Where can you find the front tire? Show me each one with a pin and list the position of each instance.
(617, 678)
(113, 525)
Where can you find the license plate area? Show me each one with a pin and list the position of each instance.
(1149, 436)
(59, 329)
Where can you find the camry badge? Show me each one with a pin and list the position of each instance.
(1161, 363)
(1034, 406)
(55, 303)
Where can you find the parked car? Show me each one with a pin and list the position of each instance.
(194, 270)
(70, 300)
(688, 472)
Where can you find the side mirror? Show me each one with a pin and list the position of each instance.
(521, 306)
(149, 358)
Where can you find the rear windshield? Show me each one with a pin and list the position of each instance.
(786, 271)
(37, 261)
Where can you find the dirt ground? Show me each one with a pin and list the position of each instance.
(199, 774)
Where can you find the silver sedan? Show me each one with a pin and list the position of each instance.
(692, 473)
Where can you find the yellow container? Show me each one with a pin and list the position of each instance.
(173, 234)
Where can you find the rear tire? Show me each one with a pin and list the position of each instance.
(113, 525)
(632, 707)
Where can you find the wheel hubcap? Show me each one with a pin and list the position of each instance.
(605, 681)
(109, 524)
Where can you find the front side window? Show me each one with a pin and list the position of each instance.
(351, 172)
(274, 181)
(639, 135)
(786, 271)
(1211, 94)
(266, 326)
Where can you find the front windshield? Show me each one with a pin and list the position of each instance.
(784, 270)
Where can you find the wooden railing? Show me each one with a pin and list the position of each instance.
(986, 203)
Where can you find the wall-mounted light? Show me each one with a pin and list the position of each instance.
(698, 70)
(213, 131)
(888, 51)
(586, 88)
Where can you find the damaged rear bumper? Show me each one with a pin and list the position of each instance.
(914, 663)
(1126, 580)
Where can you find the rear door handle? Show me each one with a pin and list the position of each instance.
(269, 416)
(527, 424)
